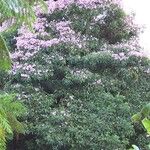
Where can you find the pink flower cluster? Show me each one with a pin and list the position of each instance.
(28, 68)
(30, 43)
(62, 4)
(119, 56)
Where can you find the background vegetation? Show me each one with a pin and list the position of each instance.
(82, 75)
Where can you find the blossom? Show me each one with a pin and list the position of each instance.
(136, 53)
(30, 43)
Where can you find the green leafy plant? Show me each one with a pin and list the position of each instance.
(12, 15)
(5, 61)
(144, 117)
(10, 111)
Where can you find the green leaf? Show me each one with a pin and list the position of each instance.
(146, 110)
(137, 117)
(146, 124)
(135, 147)
(5, 61)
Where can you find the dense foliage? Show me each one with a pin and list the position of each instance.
(10, 110)
(82, 76)
(12, 15)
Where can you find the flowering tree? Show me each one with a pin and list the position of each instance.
(13, 14)
(82, 75)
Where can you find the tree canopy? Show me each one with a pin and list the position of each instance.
(82, 75)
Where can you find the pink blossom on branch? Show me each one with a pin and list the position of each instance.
(30, 43)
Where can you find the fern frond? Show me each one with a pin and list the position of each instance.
(4, 123)
(2, 134)
(16, 126)
(2, 139)
(9, 124)
(10, 104)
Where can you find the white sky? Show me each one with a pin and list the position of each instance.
(142, 10)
